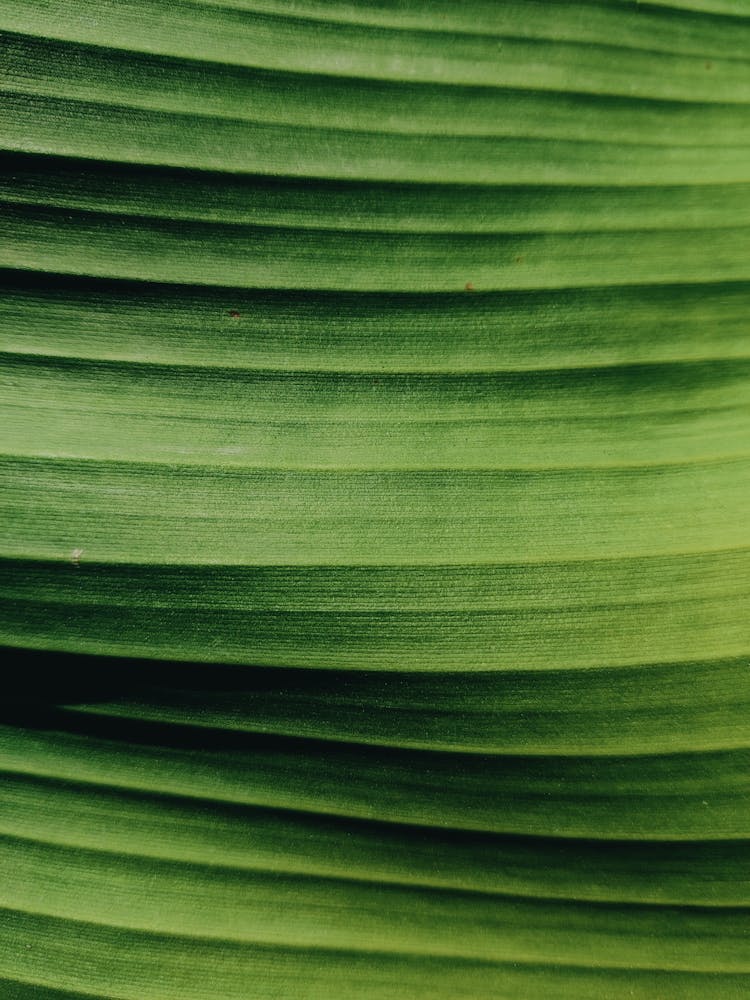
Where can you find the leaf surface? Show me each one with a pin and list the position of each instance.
(374, 552)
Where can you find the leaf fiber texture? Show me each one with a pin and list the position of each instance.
(374, 551)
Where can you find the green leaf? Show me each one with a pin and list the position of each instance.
(374, 554)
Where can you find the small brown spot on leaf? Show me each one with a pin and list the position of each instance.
(234, 314)
(520, 259)
(469, 286)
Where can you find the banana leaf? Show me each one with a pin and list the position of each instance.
(375, 546)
